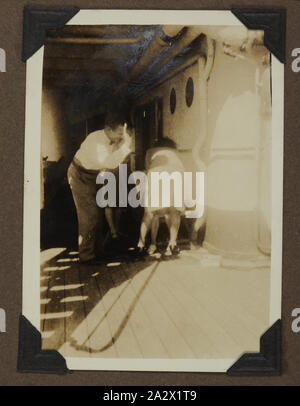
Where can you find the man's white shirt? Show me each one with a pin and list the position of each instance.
(98, 153)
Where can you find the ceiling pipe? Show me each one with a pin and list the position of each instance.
(180, 41)
(189, 36)
(210, 56)
(189, 59)
(173, 72)
(160, 42)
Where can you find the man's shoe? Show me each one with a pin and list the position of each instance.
(171, 251)
(140, 252)
(168, 252)
(152, 249)
(175, 250)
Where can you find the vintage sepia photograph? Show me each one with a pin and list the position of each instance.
(153, 190)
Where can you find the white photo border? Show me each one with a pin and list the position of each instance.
(31, 211)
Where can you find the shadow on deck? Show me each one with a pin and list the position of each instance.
(151, 308)
(63, 276)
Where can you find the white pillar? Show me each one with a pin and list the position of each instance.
(234, 126)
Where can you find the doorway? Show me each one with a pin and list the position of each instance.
(149, 129)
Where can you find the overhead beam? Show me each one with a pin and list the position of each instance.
(84, 64)
(83, 51)
(94, 40)
(171, 68)
(106, 73)
(161, 41)
(66, 82)
(96, 30)
(82, 78)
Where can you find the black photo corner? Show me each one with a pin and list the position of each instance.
(138, 301)
(37, 21)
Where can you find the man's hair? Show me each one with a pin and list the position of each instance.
(114, 119)
(165, 142)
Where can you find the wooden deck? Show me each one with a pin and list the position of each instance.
(180, 308)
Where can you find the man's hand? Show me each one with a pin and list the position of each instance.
(126, 136)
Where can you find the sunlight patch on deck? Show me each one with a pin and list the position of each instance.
(47, 334)
(59, 315)
(71, 299)
(66, 287)
(56, 268)
(50, 253)
(45, 301)
(113, 264)
(67, 260)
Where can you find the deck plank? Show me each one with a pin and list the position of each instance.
(45, 280)
(149, 342)
(243, 300)
(122, 338)
(54, 312)
(98, 328)
(185, 318)
(204, 315)
(152, 309)
(229, 314)
(164, 327)
(74, 303)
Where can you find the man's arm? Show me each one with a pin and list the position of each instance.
(120, 154)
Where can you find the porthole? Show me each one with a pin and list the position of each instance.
(172, 100)
(189, 92)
